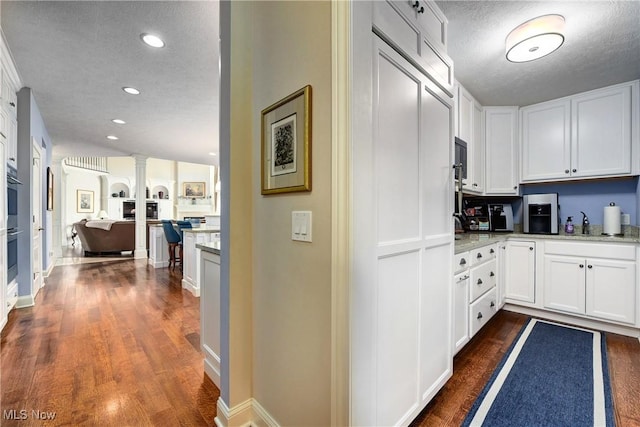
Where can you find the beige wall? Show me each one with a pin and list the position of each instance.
(292, 280)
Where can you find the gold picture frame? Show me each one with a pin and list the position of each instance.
(84, 201)
(286, 144)
(194, 190)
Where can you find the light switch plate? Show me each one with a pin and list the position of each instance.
(301, 226)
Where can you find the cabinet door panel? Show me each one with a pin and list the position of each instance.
(601, 133)
(501, 148)
(520, 271)
(546, 145)
(564, 283)
(461, 310)
(611, 290)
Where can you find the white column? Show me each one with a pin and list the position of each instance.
(141, 207)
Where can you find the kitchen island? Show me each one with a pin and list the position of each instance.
(191, 238)
(210, 322)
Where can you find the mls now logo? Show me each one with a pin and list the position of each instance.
(23, 414)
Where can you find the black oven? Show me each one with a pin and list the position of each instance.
(129, 210)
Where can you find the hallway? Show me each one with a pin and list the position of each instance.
(108, 343)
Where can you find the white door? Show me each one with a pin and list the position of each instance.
(564, 283)
(520, 271)
(36, 215)
(611, 290)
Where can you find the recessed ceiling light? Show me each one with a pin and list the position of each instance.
(131, 90)
(151, 40)
(118, 121)
(112, 137)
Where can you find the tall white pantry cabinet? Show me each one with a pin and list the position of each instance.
(401, 297)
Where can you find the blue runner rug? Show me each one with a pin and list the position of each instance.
(553, 375)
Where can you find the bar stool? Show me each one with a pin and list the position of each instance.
(174, 239)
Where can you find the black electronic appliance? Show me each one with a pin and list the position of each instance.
(129, 210)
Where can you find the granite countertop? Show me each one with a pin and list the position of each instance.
(213, 247)
(472, 240)
(202, 230)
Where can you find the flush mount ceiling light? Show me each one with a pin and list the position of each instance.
(212, 154)
(151, 40)
(131, 90)
(535, 38)
(112, 137)
(118, 121)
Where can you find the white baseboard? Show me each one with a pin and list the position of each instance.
(49, 269)
(158, 264)
(573, 320)
(140, 253)
(25, 301)
(248, 413)
(211, 365)
(186, 284)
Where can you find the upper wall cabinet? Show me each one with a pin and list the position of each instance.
(9, 86)
(418, 29)
(589, 135)
(501, 150)
(469, 128)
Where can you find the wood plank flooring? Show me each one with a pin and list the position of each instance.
(108, 343)
(475, 363)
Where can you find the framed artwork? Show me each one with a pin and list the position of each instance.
(194, 190)
(286, 144)
(85, 201)
(49, 189)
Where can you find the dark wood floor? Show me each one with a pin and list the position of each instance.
(110, 343)
(475, 363)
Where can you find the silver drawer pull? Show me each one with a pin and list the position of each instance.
(479, 316)
(491, 274)
(463, 261)
(479, 281)
(479, 255)
(491, 251)
(493, 304)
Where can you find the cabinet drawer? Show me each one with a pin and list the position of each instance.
(483, 278)
(482, 310)
(461, 262)
(591, 250)
(480, 255)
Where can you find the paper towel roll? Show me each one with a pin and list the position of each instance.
(611, 224)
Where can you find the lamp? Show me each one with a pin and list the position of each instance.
(535, 38)
(103, 215)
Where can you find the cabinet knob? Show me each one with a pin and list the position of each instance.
(479, 281)
(479, 255)
(530, 248)
(475, 185)
(463, 261)
(493, 304)
(581, 265)
(574, 170)
(13, 159)
(589, 266)
(491, 274)
(566, 171)
(13, 104)
(515, 187)
(479, 315)
(492, 251)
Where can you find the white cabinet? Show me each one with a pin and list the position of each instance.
(402, 349)
(596, 280)
(469, 129)
(3, 235)
(601, 132)
(520, 271)
(9, 106)
(114, 206)
(460, 310)
(165, 209)
(588, 135)
(501, 148)
(546, 141)
(420, 31)
(210, 323)
(191, 256)
(158, 247)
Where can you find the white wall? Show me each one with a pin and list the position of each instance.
(78, 180)
(290, 47)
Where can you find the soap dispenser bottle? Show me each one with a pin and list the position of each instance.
(568, 226)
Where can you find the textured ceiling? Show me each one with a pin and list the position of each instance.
(602, 47)
(76, 56)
